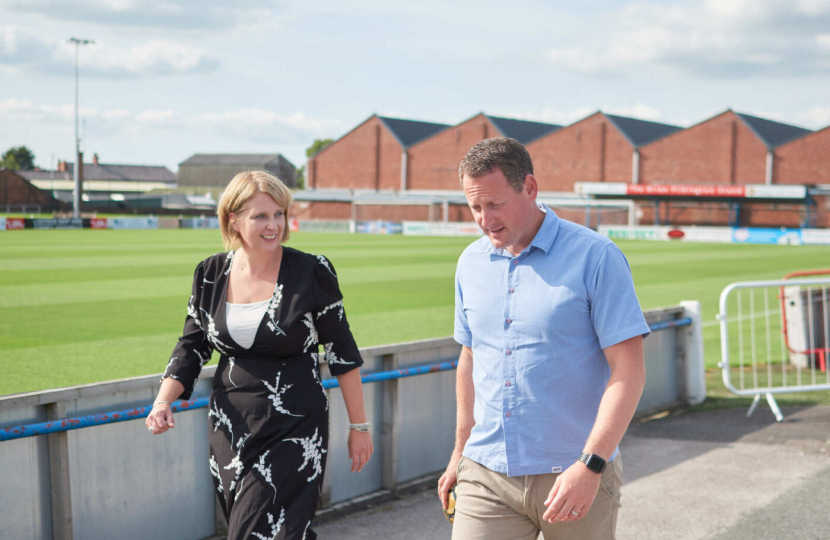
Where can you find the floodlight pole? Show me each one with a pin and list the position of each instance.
(76, 195)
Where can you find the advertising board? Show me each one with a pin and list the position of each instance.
(815, 236)
(133, 223)
(378, 227)
(13, 224)
(98, 223)
(199, 223)
(440, 228)
(2, 224)
(58, 223)
(756, 235)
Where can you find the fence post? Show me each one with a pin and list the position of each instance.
(59, 476)
(691, 368)
(391, 426)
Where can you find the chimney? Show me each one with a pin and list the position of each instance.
(61, 166)
(95, 158)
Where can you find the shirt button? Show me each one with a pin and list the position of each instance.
(515, 261)
(512, 290)
(509, 321)
(508, 414)
(508, 352)
(507, 383)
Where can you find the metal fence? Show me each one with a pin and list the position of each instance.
(104, 481)
(775, 338)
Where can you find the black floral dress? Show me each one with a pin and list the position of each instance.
(268, 409)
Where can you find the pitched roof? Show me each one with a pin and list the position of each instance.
(105, 171)
(241, 160)
(409, 132)
(641, 132)
(772, 133)
(523, 131)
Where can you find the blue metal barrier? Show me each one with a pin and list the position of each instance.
(67, 424)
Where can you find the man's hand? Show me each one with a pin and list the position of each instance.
(573, 491)
(448, 479)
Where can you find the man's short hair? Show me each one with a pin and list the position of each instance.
(503, 153)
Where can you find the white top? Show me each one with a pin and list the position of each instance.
(243, 321)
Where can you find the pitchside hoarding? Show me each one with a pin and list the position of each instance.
(440, 228)
(756, 235)
(2, 224)
(378, 227)
(58, 223)
(736, 235)
(133, 223)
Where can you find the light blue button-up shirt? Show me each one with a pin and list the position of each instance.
(537, 324)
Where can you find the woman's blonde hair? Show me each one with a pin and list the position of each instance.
(240, 190)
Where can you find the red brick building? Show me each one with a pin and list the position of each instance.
(371, 156)
(433, 163)
(407, 159)
(599, 148)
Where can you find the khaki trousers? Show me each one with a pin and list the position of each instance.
(493, 506)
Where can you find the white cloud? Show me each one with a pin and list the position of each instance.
(258, 126)
(162, 14)
(816, 118)
(26, 50)
(718, 38)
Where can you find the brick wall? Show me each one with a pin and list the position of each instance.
(721, 150)
(433, 163)
(368, 157)
(591, 150)
(804, 161)
(14, 189)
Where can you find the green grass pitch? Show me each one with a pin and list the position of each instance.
(84, 306)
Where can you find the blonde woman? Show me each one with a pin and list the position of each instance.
(266, 308)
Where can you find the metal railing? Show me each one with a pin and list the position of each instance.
(775, 336)
(75, 482)
(68, 424)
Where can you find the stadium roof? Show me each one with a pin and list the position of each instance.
(523, 131)
(409, 132)
(105, 171)
(641, 132)
(241, 160)
(772, 133)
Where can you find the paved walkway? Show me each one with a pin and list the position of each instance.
(712, 475)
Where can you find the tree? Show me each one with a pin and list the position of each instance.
(301, 177)
(318, 146)
(20, 158)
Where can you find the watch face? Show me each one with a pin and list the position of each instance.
(593, 462)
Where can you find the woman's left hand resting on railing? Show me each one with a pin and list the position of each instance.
(161, 417)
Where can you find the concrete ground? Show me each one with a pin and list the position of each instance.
(712, 475)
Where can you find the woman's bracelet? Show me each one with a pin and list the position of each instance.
(362, 428)
(161, 401)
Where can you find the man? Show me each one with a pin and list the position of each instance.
(551, 368)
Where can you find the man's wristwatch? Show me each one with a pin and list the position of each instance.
(593, 462)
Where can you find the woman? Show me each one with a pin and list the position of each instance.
(266, 308)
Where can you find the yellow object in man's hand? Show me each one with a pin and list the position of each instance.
(449, 511)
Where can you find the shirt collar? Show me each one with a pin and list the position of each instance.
(544, 236)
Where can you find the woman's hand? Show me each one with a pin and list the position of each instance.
(360, 449)
(160, 419)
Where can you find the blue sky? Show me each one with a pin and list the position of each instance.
(169, 78)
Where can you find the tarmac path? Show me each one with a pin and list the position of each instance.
(712, 475)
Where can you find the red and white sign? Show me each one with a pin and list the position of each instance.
(691, 190)
(98, 223)
(15, 223)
